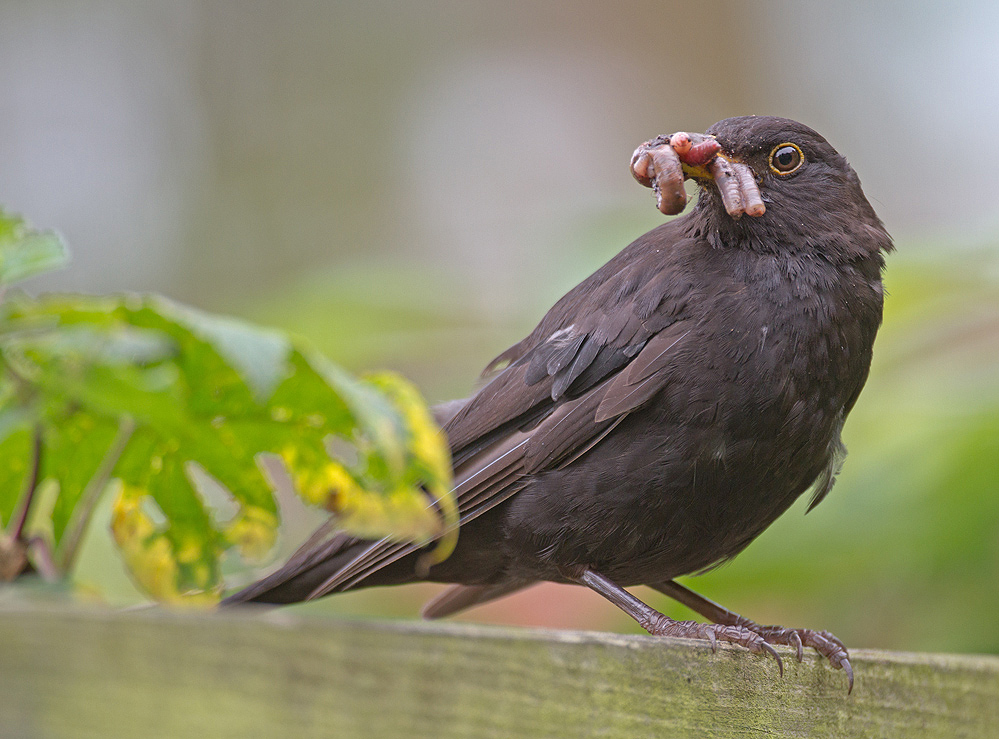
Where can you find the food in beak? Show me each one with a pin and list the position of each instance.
(656, 164)
(664, 162)
(691, 154)
(737, 187)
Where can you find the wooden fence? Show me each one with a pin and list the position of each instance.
(155, 674)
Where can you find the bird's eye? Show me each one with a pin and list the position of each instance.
(786, 158)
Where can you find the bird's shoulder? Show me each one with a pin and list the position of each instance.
(598, 328)
(620, 305)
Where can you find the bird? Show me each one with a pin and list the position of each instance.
(667, 409)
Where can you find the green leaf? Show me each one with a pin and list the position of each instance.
(203, 397)
(15, 458)
(259, 355)
(74, 444)
(428, 458)
(25, 252)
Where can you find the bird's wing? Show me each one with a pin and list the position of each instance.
(498, 471)
(594, 332)
(601, 352)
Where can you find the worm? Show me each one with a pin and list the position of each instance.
(700, 154)
(655, 164)
(658, 164)
(752, 201)
(727, 183)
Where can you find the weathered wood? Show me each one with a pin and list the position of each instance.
(154, 674)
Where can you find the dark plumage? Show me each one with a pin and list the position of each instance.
(665, 411)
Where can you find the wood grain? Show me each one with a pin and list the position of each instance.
(156, 674)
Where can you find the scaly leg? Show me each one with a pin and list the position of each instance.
(821, 641)
(659, 625)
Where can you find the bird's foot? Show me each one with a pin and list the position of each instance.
(726, 627)
(822, 642)
(758, 639)
(659, 625)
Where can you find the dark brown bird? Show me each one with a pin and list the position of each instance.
(667, 409)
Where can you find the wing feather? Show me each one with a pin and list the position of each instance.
(599, 354)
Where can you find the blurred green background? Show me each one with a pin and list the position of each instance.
(410, 185)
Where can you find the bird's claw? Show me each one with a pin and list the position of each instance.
(848, 669)
(826, 644)
(714, 633)
(773, 653)
(832, 649)
(758, 639)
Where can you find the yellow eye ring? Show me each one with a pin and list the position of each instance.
(786, 159)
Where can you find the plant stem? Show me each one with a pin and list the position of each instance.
(31, 485)
(42, 559)
(71, 539)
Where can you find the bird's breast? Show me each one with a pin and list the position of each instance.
(745, 423)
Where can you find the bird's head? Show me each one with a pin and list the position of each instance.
(778, 184)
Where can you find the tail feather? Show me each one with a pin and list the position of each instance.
(459, 597)
(332, 561)
(325, 552)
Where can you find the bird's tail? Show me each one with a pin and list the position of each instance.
(326, 553)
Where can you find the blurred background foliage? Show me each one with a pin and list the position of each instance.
(410, 186)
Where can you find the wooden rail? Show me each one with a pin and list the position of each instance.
(155, 674)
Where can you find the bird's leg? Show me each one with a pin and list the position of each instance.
(658, 624)
(821, 641)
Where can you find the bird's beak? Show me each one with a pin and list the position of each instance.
(735, 181)
(665, 162)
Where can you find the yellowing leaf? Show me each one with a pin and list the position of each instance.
(154, 561)
(429, 453)
(427, 442)
(204, 398)
(317, 481)
(404, 514)
(253, 532)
